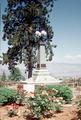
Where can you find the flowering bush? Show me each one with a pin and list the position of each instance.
(42, 103)
(21, 95)
(63, 91)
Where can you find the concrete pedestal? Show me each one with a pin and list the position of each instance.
(40, 74)
(40, 77)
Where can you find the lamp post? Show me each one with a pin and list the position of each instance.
(41, 60)
(42, 33)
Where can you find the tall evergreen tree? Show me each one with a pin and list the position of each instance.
(21, 20)
(3, 77)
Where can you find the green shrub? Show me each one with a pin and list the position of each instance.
(63, 91)
(2, 100)
(7, 95)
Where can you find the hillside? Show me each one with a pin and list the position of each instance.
(55, 69)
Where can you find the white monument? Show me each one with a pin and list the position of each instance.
(40, 74)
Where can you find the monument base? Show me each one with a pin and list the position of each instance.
(39, 77)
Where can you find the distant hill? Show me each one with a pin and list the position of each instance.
(55, 69)
(65, 69)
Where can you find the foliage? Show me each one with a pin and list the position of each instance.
(3, 77)
(58, 105)
(21, 20)
(43, 104)
(3, 100)
(7, 95)
(21, 95)
(63, 91)
(15, 74)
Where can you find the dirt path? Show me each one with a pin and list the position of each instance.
(69, 113)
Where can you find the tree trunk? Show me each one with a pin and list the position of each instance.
(29, 65)
(29, 70)
(30, 55)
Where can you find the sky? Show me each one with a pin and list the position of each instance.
(66, 23)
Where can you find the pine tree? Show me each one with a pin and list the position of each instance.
(3, 77)
(21, 20)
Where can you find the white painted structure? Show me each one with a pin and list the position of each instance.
(40, 74)
(41, 55)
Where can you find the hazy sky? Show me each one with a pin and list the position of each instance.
(66, 22)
